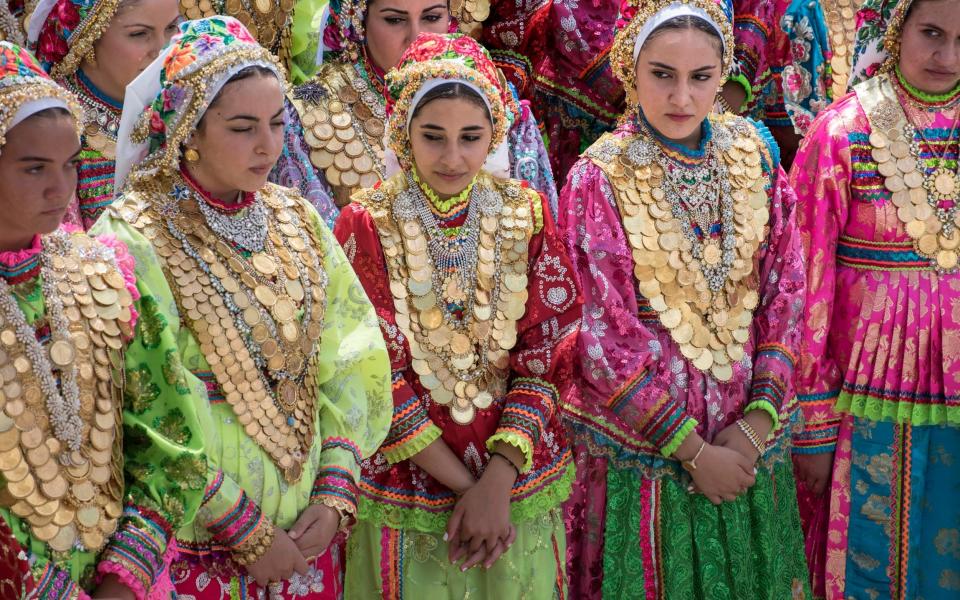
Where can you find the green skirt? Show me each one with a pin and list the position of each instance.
(398, 564)
(649, 539)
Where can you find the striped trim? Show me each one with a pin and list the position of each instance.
(529, 406)
(778, 352)
(392, 560)
(406, 498)
(138, 547)
(214, 393)
(238, 524)
(626, 392)
(410, 419)
(880, 256)
(55, 584)
(214, 487)
(350, 446)
(334, 482)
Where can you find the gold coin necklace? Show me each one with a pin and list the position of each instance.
(63, 408)
(704, 293)
(257, 318)
(462, 362)
(701, 194)
(67, 486)
(927, 203)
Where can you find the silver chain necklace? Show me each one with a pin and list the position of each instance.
(247, 228)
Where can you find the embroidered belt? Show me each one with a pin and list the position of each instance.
(869, 255)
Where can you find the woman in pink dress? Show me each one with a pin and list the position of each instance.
(878, 376)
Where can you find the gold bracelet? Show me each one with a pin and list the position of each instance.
(752, 435)
(344, 510)
(252, 549)
(691, 465)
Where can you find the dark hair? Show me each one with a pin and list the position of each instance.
(685, 22)
(452, 90)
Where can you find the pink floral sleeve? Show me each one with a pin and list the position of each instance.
(820, 176)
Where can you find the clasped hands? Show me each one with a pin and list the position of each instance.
(725, 468)
(479, 530)
(291, 550)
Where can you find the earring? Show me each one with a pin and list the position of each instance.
(191, 155)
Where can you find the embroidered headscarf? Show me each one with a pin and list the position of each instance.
(433, 60)
(164, 104)
(344, 32)
(879, 28)
(63, 32)
(640, 18)
(26, 89)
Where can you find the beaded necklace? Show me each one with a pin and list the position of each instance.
(103, 113)
(924, 101)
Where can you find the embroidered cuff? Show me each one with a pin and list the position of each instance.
(53, 583)
(242, 525)
(767, 393)
(644, 404)
(334, 487)
(137, 552)
(411, 430)
(744, 82)
(821, 424)
(528, 408)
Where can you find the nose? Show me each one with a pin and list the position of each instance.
(270, 142)
(413, 30)
(61, 187)
(680, 95)
(949, 55)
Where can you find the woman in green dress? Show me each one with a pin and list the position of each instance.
(268, 316)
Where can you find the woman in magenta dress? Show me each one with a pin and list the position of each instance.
(878, 378)
(680, 226)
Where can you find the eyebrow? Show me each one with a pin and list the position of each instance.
(253, 118)
(669, 68)
(404, 12)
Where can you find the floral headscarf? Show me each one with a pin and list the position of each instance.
(454, 57)
(26, 89)
(870, 53)
(344, 32)
(63, 32)
(177, 89)
(636, 15)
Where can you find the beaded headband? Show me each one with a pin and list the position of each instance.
(165, 103)
(649, 15)
(63, 32)
(26, 89)
(444, 57)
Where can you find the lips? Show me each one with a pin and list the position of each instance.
(261, 170)
(679, 118)
(450, 177)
